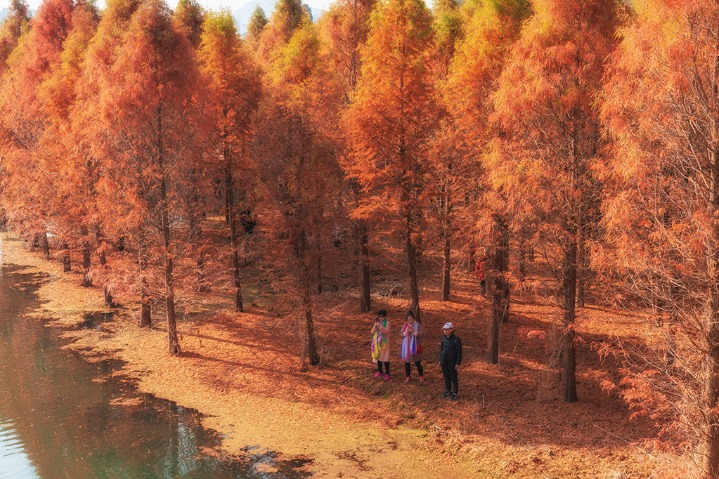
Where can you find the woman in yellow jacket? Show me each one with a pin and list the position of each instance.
(380, 346)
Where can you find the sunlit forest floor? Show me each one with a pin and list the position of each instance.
(243, 372)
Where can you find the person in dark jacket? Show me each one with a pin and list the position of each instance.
(450, 357)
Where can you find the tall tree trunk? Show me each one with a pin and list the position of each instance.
(522, 257)
(312, 354)
(228, 207)
(501, 252)
(145, 311)
(500, 266)
(446, 212)
(45, 245)
(232, 216)
(173, 343)
(505, 300)
(86, 263)
(446, 268)
(710, 429)
(202, 283)
(670, 354)
(86, 278)
(195, 239)
(412, 270)
(494, 322)
(319, 263)
(363, 241)
(582, 269)
(306, 279)
(101, 247)
(195, 219)
(145, 306)
(107, 292)
(569, 291)
(66, 267)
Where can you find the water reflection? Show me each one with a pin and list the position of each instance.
(13, 460)
(62, 417)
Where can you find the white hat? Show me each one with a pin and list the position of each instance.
(448, 326)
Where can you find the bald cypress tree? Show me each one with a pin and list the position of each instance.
(151, 114)
(23, 117)
(233, 82)
(547, 110)
(257, 24)
(390, 121)
(12, 27)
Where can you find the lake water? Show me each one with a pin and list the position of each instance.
(63, 417)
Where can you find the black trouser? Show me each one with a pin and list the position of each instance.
(408, 368)
(451, 382)
(386, 365)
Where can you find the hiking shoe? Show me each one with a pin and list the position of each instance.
(446, 394)
(406, 380)
(453, 397)
(386, 377)
(377, 374)
(421, 379)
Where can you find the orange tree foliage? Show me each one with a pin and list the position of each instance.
(490, 29)
(12, 27)
(73, 204)
(90, 141)
(233, 83)
(343, 29)
(298, 169)
(190, 15)
(87, 138)
(258, 21)
(545, 107)
(446, 181)
(150, 108)
(26, 184)
(389, 123)
(286, 18)
(661, 108)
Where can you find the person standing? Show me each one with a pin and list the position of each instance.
(450, 357)
(380, 348)
(411, 351)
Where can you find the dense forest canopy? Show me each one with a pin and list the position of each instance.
(166, 151)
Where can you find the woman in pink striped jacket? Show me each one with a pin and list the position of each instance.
(411, 351)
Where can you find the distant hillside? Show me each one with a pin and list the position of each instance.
(243, 14)
(4, 12)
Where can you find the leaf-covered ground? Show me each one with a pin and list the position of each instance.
(244, 373)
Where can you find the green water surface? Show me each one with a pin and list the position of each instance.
(57, 418)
